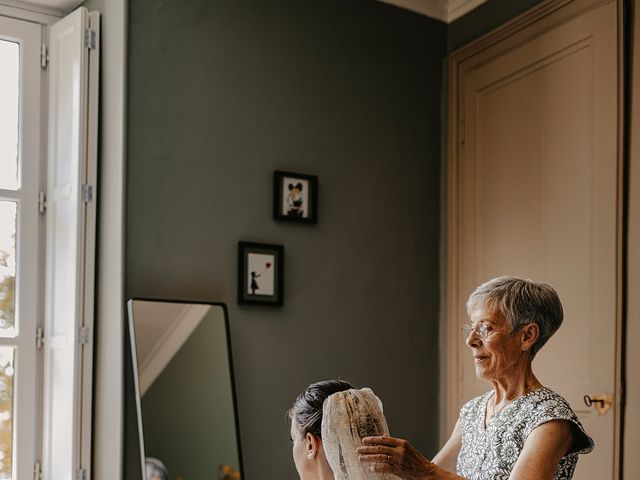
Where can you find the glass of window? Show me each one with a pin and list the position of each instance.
(9, 118)
(8, 211)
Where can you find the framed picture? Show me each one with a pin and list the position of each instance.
(295, 197)
(260, 274)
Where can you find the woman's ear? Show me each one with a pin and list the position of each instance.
(530, 334)
(313, 445)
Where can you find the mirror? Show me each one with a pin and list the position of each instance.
(187, 417)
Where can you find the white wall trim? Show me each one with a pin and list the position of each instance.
(108, 426)
(443, 10)
(21, 11)
(458, 8)
(168, 345)
(631, 465)
(435, 8)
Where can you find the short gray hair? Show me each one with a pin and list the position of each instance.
(155, 469)
(521, 302)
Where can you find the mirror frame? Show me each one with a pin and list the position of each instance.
(136, 380)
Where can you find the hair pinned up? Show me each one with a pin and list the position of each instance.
(306, 412)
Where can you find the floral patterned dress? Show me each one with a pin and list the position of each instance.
(489, 453)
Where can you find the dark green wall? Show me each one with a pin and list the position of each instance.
(223, 92)
(483, 19)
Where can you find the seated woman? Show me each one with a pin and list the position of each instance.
(519, 429)
(328, 421)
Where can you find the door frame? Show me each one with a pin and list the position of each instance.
(544, 16)
(631, 366)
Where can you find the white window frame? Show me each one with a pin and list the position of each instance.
(110, 314)
(29, 430)
(28, 244)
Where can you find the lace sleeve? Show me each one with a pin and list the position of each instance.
(556, 408)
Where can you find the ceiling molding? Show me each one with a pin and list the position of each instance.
(437, 9)
(37, 16)
(55, 8)
(458, 8)
(444, 10)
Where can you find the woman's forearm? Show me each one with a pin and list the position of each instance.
(400, 458)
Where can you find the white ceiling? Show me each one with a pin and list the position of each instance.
(445, 10)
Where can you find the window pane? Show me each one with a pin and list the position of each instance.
(10, 68)
(6, 412)
(8, 212)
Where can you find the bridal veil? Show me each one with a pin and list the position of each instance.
(347, 417)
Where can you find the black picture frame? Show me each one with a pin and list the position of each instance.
(260, 267)
(295, 197)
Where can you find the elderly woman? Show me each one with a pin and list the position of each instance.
(518, 430)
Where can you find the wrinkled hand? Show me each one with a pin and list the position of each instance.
(395, 456)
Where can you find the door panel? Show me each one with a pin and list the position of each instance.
(538, 190)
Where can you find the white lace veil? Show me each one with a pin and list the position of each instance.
(347, 417)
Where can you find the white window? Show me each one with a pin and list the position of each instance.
(20, 277)
(47, 245)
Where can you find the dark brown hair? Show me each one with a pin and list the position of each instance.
(306, 411)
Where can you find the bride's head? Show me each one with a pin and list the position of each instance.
(306, 429)
(328, 421)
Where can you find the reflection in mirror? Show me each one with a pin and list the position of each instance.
(185, 395)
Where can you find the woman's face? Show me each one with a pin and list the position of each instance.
(497, 354)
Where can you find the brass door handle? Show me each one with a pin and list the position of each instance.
(602, 403)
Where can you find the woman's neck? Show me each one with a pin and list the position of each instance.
(326, 475)
(324, 471)
(519, 383)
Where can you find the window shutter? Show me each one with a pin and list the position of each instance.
(70, 245)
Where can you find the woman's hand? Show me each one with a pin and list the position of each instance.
(395, 456)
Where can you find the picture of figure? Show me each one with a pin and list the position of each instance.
(260, 276)
(254, 283)
(295, 195)
(295, 202)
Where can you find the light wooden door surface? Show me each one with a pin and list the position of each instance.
(537, 185)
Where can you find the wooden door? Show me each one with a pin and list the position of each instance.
(536, 195)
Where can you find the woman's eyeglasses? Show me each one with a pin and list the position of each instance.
(481, 330)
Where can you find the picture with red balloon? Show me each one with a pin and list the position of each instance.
(260, 273)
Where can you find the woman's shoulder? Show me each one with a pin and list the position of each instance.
(545, 405)
(475, 405)
(544, 399)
